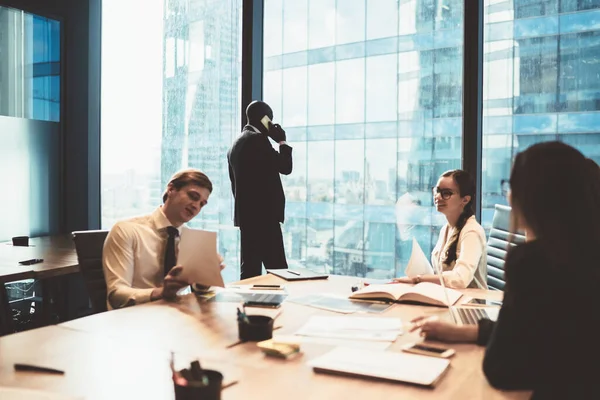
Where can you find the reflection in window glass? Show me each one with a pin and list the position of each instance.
(381, 102)
(295, 18)
(321, 23)
(383, 121)
(29, 66)
(173, 103)
(294, 96)
(378, 11)
(539, 87)
(350, 21)
(273, 28)
(321, 94)
(350, 91)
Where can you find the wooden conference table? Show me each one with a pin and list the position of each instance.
(124, 354)
(60, 259)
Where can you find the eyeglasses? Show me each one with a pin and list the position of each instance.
(505, 187)
(445, 193)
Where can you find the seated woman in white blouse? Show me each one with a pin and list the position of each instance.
(460, 252)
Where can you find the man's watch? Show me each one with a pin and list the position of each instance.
(417, 279)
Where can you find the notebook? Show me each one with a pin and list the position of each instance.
(385, 365)
(297, 274)
(424, 292)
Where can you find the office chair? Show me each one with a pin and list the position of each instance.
(498, 245)
(88, 245)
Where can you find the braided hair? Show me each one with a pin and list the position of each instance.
(466, 187)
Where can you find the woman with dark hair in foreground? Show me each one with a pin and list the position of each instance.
(545, 338)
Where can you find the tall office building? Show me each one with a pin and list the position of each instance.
(201, 103)
(370, 92)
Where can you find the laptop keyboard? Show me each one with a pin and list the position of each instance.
(470, 316)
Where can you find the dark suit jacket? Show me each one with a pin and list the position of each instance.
(254, 168)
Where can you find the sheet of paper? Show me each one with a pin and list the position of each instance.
(11, 393)
(418, 264)
(356, 344)
(353, 328)
(402, 367)
(199, 258)
(339, 304)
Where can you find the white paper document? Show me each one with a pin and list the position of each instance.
(353, 328)
(11, 393)
(334, 342)
(418, 264)
(199, 258)
(403, 367)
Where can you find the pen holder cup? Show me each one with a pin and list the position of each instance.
(258, 328)
(195, 391)
(20, 241)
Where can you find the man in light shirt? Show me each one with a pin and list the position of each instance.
(139, 256)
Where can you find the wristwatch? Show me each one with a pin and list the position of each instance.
(417, 279)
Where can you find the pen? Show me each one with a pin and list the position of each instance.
(35, 368)
(266, 287)
(230, 384)
(293, 272)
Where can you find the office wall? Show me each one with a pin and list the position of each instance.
(30, 127)
(73, 146)
(29, 171)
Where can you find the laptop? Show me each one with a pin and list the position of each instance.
(471, 315)
(297, 274)
(467, 315)
(271, 300)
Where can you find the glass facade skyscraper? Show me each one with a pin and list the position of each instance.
(370, 94)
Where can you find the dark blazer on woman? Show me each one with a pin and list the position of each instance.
(546, 336)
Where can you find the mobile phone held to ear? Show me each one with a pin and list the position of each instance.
(428, 350)
(265, 121)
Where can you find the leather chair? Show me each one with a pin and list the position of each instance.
(89, 245)
(498, 244)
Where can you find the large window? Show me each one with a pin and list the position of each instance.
(370, 94)
(170, 100)
(541, 69)
(29, 66)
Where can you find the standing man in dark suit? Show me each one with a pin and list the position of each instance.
(254, 168)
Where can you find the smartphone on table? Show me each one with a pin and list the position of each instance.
(427, 349)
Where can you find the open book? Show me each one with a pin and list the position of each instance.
(424, 292)
(385, 365)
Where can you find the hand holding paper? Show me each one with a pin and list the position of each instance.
(199, 258)
(418, 263)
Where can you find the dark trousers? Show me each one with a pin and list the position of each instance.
(261, 244)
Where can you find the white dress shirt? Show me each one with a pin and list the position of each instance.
(470, 267)
(133, 258)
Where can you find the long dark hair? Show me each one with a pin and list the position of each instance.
(556, 190)
(466, 187)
